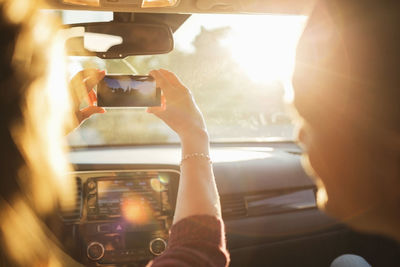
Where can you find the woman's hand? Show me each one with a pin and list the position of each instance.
(178, 108)
(81, 86)
(197, 192)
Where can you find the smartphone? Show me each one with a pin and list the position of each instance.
(119, 91)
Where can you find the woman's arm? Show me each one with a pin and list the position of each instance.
(197, 235)
(197, 194)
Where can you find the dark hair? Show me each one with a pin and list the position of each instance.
(11, 97)
(347, 65)
(18, 71)
(29, 188)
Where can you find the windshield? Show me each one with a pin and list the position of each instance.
(237, 66)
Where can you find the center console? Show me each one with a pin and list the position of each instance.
(126, 216)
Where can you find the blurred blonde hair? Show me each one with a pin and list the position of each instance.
(35, 106)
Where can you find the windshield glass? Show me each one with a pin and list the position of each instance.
(237, 66)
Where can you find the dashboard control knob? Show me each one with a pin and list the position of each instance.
(157, 246)
(95, 251)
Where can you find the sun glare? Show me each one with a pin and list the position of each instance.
(263, 45)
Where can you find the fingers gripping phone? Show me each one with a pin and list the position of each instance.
(119, 91)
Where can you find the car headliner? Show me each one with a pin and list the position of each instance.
(301, 7)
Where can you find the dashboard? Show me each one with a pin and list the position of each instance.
(127, 195)
(124, 215)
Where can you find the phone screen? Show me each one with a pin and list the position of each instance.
(128, 91)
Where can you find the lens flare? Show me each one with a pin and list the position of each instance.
(156, 185)
(164, 179)
(136, 210)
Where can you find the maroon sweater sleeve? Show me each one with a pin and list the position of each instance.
(195, 241)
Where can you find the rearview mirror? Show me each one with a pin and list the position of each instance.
(119, 39)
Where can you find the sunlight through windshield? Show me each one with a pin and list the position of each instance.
(262, 45)
(237, 67)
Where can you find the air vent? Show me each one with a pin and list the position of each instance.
(72, 214)
(233, 207)
(266, 203)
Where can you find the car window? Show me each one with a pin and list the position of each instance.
(237, 66)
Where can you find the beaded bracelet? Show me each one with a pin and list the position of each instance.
(196, 155)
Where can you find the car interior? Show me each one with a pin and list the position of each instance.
(236, 57)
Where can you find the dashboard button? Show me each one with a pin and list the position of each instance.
(91, 185)
(118, 227)
(91, 202)
(104, 228)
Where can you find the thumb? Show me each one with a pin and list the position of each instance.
(158, 109)
(155, 110)
(89, 111)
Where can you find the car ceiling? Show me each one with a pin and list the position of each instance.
(302, 7)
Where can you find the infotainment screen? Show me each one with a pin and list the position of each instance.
(134, 199)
